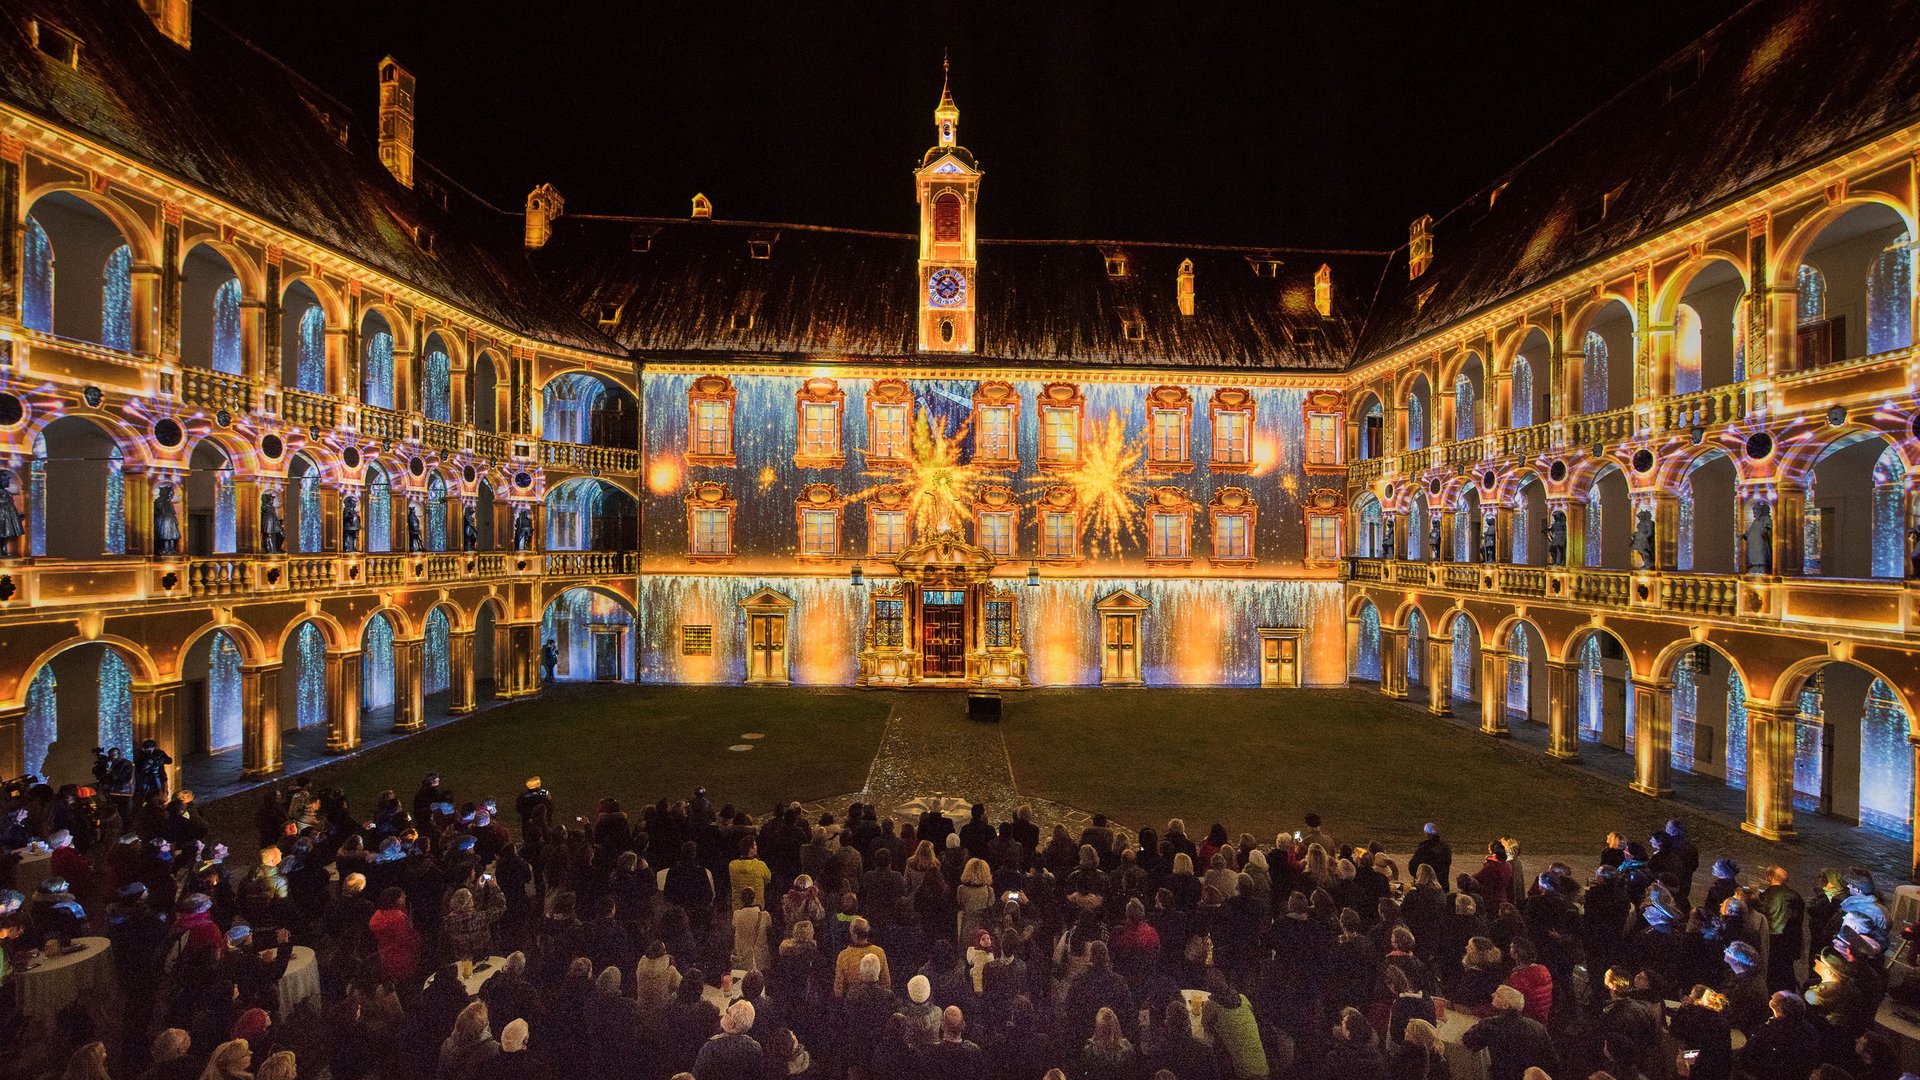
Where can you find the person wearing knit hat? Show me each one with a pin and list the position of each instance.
(921, 1013)
(733, 1052)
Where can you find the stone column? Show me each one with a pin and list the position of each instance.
(1439, 675)
(269, 373)
(1393, 662)
(246, 515)
(1652, 737)
(12, 151)
(1789, 517)
(1576, 512)
(253, 334)
(1493, 691)
(156, 716)
(137, 500)
(409, 703)
(1666, 529)
(1443, 551)
(260, 720)
(1770, 770)
(523, 660)
(342, 365)
(343, 701)
(1563, 730)
(406, 388)
(13, 748)
(460, 691)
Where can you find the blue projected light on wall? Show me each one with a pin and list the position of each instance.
(1593, 374)
(310, 367)
(436, 673)
(1886, 764)
(436, 523)
(1736, 730)
(41, 725)
(310, 652)
(376, 664)
(1463, 656)
(376, 517)
(1890, 298)
(1522, 392)
(116, 304)
(36, 279)
(378, 362)
(438, 392)
(1366, 661)
(223, 693)
(116, 703)
(116, 538)
(226, 327)
(1519, 674)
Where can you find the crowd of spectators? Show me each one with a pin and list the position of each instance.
(688, 938)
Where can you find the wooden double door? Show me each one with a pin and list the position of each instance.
(943, 641)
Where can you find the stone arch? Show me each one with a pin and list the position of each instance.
(211, 704)
(310, 317)
(439, 359)
(485, 403)
(1708, 517)
(1526, 692)
(1705, 303)
(304, 693)
(1610, 515)
(1861, 721)
(382, 382)
(1467, 389)
(1610, 318)
(330, 627)
(1463, 630)
(1845, 243)
(1602, 700)
(78, 281)
(583, 406)
(569, 624)
(1368, 531)
(1363, 646)
(1857, 507)
(83, 457)
(134, 232)
(590, 514)
(1370, 427)
(73, 706)
(1527, 366)
(1417, 411)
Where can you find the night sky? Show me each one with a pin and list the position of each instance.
(1283, 123)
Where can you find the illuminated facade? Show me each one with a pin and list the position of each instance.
(307, 439)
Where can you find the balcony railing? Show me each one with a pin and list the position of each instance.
(591, 563)
(214, 390)
(1521, 581)
(308, 572)
(1707, 408)
(1700, 594)
(218, 576)
(1362, 473)
(1526, 442)
(1612, 588)
(491, 446)
(1610, 426)
(312, 411)
(446, 438)
(378, 423)
(583, 458)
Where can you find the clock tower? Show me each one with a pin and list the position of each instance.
(947, 184)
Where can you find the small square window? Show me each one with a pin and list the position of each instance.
(642, 238)
(609, 314)
(696, 640)
(742, 320)
(760, 249)
(1116, 266)
(423, 237)
(56, 43)
(1133, 329)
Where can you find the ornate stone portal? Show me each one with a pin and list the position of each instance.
(944, 621)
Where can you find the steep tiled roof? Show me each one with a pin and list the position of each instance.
(1775, 88)
(696, 286)
(231, 120)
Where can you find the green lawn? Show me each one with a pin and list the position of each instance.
(635, 743)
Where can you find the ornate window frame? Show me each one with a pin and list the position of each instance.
(1058, 500)
(891, 499)
(709, 390)
(1231, 502)
(998, 499)
(814, 499)
(709, 496)
(1326, 504)
(1172, 401)
(889, 394)
(821, 391)
(1329, 406)
(1062, 398)
(1239, 401)
(1170, 502)
(997, 395)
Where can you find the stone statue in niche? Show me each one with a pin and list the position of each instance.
(10, 527)
(522, 530)
(413, 528)
(350, 524)
(1913, 541)
(1643, 541)
(469, 530)
(273, 536)
(1386, 537)
(166, 526)
(1489, 539)
(1556, 530)
(1759, 540)
(1433, 538)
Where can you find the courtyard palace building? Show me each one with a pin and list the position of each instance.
(310, 446)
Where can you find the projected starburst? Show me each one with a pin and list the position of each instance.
(939, 487)
(1110, 484)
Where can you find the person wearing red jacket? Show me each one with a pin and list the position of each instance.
(394, 936)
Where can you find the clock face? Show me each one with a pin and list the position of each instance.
(946, 289)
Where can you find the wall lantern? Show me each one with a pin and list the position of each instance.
(858, 574)
(1033, 575)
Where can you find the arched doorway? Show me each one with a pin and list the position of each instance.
(1528, 540)
(211, 333)
(1609, 521)
(436, 523)
(379, 676)
(1365, 664)
(1604, 371)
(1708, 343)
(1603, 706)
(578, 407)
(303, 702)
(1709, 716)
(1526, 688)
(594, 633)
(210, 522)
(1466, 524)
(210, 704)
(1709, 524)
(77, 273)
(1417, 673)
(1529, 398)
(436, 389)
(1852, 758)
(436, 660)
(590, 514)
(1372, 429)
(1371, 539)
(303, 340)
(1464, 679)
(486, 387)
(1856, 288)
(1419, 408)
(79, 699)
(81, 461)
(1419, 529)
(305, 521)
(486, 656)
(377, 514)
(1857, 503)
(1469, 390)
(376, 361)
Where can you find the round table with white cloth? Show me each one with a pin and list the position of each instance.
(476, 977)
(33, 870)
(719, 998)
(1462, 1063)
(301, 983)
(83, 973)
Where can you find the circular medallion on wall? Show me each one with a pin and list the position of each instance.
(93, 396)
(1643, 461)
(167, 432)
(468, 474)
(1488, 479)
(1557, 471)
(272, 447)
(1759, 445)
(1915, 426)
(223, 418)
(12, 410)
(417, 467)
(1837, 415)
(1433, 486)
(350, 457)
(522, 480)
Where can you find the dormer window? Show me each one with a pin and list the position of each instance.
(1273, 268)
(423, 238)
(1133, 328)
(760, 245)
(742, 320)
(1116, 264)
(56, 43)
(609, 314)
(642, 238)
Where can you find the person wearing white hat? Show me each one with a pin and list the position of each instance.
(733, 1052)
(921, 1013)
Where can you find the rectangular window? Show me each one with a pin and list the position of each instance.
(1169, 435)
(696, 640)
(820, 533)
(993, 531)
(1230, 438)
(1323, 439)
(712, 532)
(820, 429)
(1323, 537)
(1059, 539)
(993, 441)
(889, 622)
(712, 428)
(1060, 434)
(1000, 624)
(1230, 537)
(889, 435)
(889, 532)
(1169, 536)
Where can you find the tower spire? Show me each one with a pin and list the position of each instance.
(946, 117)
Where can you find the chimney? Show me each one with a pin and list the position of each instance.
(1323, 290)
(1183, 287)
(173, 17)
(702, 206)
(396, 120)
(1420, 246)
(543, 205)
